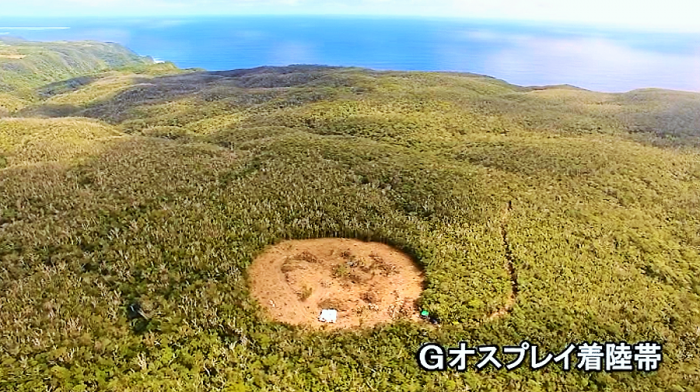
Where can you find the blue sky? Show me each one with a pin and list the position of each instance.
(667, 15)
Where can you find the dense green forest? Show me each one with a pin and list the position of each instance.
(155, 185)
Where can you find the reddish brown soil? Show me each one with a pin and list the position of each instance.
(368, 283)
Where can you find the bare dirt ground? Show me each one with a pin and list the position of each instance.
(368, 283)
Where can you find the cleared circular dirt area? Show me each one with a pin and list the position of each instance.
(367, 283)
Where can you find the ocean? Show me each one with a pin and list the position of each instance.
(525, 54)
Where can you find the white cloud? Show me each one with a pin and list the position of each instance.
(584, 60)
(491, 36)
(292, 52)
(159, 24)
(34, 28)
(667, 15)
(248, 34)
(679, 15)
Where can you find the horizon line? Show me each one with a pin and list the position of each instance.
(476, 20)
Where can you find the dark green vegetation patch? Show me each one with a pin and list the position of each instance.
(123, 262)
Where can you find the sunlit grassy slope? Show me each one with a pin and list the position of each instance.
(603, 232)
(41, 140)
(31, 64)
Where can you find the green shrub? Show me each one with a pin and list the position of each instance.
(601, 232)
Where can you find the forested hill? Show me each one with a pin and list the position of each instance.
(553, 214)
(25, 64)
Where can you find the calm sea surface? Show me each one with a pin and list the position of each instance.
(603, 60)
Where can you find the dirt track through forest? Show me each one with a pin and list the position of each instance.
(509, 266)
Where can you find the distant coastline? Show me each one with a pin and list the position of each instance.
(610, 61)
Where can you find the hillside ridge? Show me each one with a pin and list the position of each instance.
(29, 64)
(136, 199)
